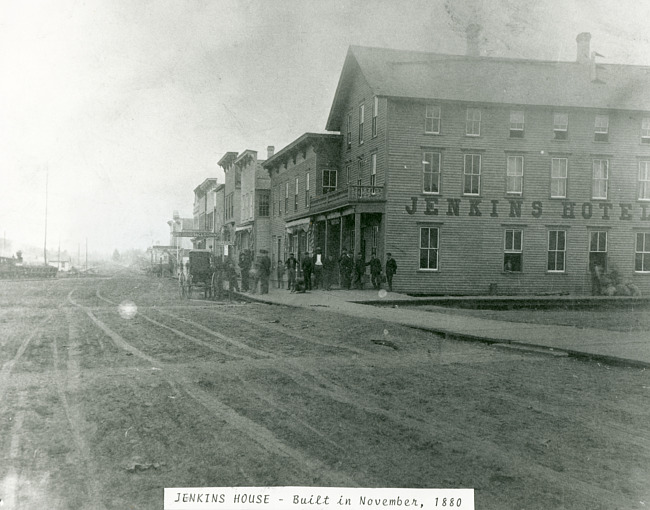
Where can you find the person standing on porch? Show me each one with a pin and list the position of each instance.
(391, 269)
(345, 268)
(375, 271)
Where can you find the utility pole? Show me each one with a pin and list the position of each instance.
(86, 254)
(47, 171)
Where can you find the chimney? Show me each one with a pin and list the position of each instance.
(584, 56)
(473, 30)
(270, 150)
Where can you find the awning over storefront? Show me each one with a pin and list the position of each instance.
(245, 228)
(293, 226)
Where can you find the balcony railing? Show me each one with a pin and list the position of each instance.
(351, 195)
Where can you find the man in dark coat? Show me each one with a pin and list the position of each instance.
(345, 269)
(264, 271)
(391, 269)
(359, 271)
(245, 262)
(292, 266)
(375, 271)
(307, 268)
(329, 271)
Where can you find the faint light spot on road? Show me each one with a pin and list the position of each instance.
(385, 332)
(127, 309)
(383, 293)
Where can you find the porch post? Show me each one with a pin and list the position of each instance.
(357, 233)
(325, 243)
(340, 236)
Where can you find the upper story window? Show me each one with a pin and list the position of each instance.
(375, 113)
(295, 197)
(515, 175)
(601, 128)
(559, 174)
(307, 190)
(431, 172)
(264, 202)
(473, 122)
(600, 179)
(560, 126)
(286, 197)
(373, 169)
(359, 171)
(472, 174)
(517, 124)
(362, 115)
(432, 119)
(329, 181)
(645, 130)
(644, 180)
(349, 132)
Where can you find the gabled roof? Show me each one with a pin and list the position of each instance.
(415, 74)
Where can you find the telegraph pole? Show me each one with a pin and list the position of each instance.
(86, 254)
(47, 171)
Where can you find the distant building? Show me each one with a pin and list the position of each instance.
(204, 204)
(232, 197)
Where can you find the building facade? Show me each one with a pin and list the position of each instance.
(232, 196)
(495, 175)
(203, 213)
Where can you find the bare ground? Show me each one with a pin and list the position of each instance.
(99, 411)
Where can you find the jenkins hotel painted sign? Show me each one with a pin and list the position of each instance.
(513, 208)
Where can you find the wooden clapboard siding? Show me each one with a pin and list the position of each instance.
(471, 247)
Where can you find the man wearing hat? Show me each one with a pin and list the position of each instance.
(391, 269)
(264, 271)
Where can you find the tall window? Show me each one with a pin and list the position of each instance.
(473, 122)
(429, 246)
(601, 128)
(642, 252)
(286, 197)
(295, 197)
(600, 179)
(432, 119)
(349, 136)
(347, 175)
(472, 174)
(264, 202)
(373, 169)
(431, 172)
(598, 249)
(307, 190)
(359, 172)
(362, 115)
(329, 181)
(559, 174)
(513, 250)
(556, 250)
(644, 180)
(645, 130)
(375, 112)
(561, 126)
(515, 175)
(516, 124)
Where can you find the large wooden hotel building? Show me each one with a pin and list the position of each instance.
(478, 174)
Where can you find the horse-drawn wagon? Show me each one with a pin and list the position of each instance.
(197, 273)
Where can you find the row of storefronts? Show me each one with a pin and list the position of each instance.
(477, 174)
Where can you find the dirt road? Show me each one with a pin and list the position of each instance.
(113, 388)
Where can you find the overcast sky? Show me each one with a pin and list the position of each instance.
(127, 105)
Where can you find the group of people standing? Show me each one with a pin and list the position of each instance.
(320, 272)
(255, 271)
